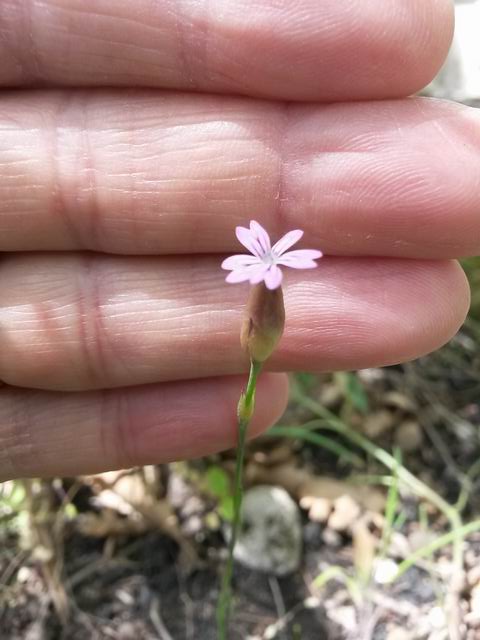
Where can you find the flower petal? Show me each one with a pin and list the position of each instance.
(240, 260)
(304, 264)
(254, 273)
(300, 259)
(249, 241)
(273, 277)
(261, 235)
(287, 241)
(258, 274)
(239, 275)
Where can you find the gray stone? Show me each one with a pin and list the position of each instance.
(271, 533)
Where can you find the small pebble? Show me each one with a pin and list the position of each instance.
(409, 436)
(378, 423)
(345, 513)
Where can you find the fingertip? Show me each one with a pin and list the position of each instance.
(425, 56)
(456, 313)
(379, 313)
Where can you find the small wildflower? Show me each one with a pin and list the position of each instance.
(264, 263)
(262, 329)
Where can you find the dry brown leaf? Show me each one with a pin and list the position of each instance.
(128, 493)
(364, 548)
(399, 401)
(306, 488)
(108, 523)
(281, 454)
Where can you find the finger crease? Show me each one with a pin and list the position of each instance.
(91, 329)
(93, 239)
(118, 435)
(59, 193)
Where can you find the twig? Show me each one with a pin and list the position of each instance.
(368, 623)
(47, 536)
(188, 604)
(277, 598)
(442, 449)
(157, 621)
(12, 566)
(274, 629)
(401, 608)
(93, 567)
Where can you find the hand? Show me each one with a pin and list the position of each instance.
(119, 339)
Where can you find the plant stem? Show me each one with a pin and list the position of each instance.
(435, 545)
(245, 410)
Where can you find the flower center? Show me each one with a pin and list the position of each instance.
(269, 258)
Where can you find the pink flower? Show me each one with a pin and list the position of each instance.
(265, 261)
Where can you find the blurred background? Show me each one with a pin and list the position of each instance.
(361, 520)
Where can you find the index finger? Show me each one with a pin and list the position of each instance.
(303, 50)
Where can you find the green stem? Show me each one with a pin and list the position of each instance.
(246, 407)
(435, 545)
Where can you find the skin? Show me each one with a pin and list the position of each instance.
(136, 136)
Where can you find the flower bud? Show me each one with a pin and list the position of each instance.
(263, 323)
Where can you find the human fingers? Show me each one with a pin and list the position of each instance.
(76, 322)
(304, 50)
(172, 173)
(63, 434)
